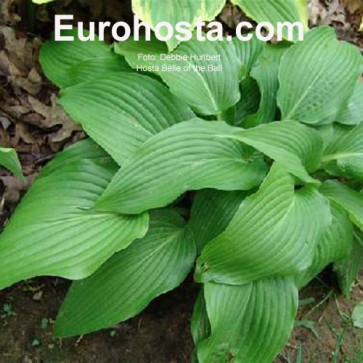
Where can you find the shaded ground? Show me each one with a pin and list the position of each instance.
(324, 331)
(161, 333)
(27, 312)
(31, 122)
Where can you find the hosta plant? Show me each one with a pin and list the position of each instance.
(249, 178)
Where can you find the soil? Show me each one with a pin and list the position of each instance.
(160, 334)
(31, 122)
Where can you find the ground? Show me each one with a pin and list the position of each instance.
(31, 121)
(324, 331)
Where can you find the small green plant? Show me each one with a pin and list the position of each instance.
(7, 310)
(272, 148)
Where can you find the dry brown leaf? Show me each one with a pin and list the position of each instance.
(353, 6)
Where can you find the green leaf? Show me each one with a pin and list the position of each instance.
(348, 268)
(9, 160)
(317, 77)
(248, 53)
(249, 102)
(69, 63)
(357, 315)
(131, 49)
(352, 114)
(189, 156)
(206, 92)
(335, 245)
(175, 11)
(347, 198)
(122, 110)
(275, 11)
(301, 150)
(345, 152)
(200, 326)
(211, 213)
(274, 233)
(265, 72)
(250, 323)
(132, 278)
(55, 231)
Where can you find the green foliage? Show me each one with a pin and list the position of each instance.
(9, 160)
(129, 280)
(205, 92)
(317, 77)
(254, 174)
(250, 322)
(56, 231)
(275, 11)
(78, 61)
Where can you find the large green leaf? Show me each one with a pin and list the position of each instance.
(348, 268)
(9, 160)
(274, 233)
(191, 155)
(69, 63)
(55, 231)
(122, 110)
(317, 77)
(175, 11)
(352, 114)
(289, 143)
(347, 198)
(265, 72)
(249, 323)
(334, 245)
(275, 11)
(211, 213)
(345, 152)
(206, 91)
(127, 283)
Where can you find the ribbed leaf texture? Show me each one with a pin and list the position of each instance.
(69, 63)
(317, 77)
(192, 155)
(127, 282)
(301, 150)
(108, 108)
(352, 114)
(265, 72)
(55, 230)
(211, 213)
(249, 323)
(206, 92)
(347, 198)
(248, 53)
(344, 153)
(277, 224)
(335, 245)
